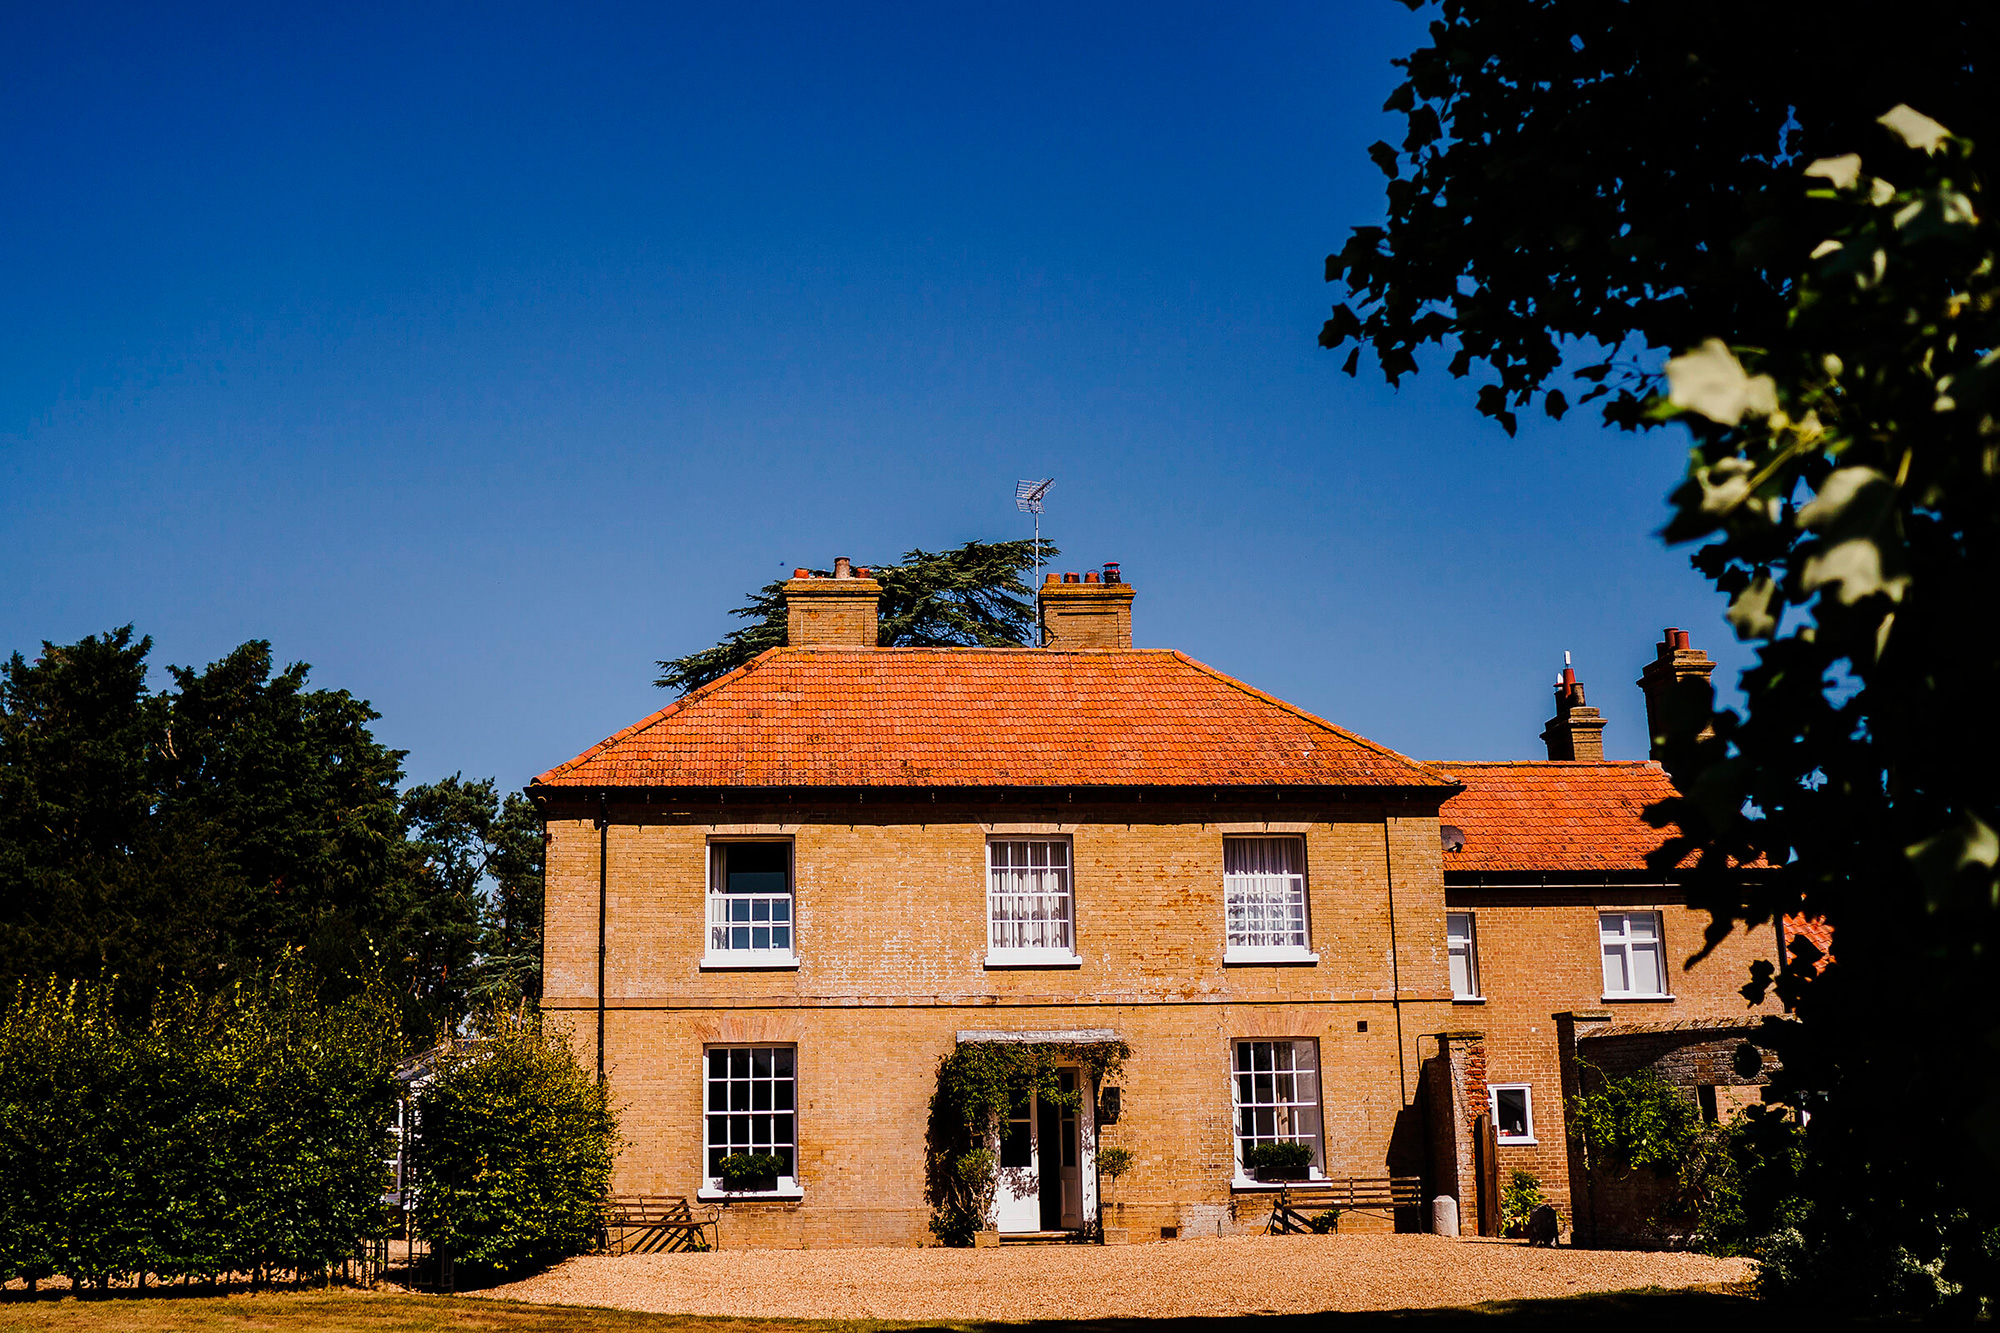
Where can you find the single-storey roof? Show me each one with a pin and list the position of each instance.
(985, 717)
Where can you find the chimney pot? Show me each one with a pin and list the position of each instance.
(1069, 576)
(840, 612)
(1053, 577)
(1576, 731)
(1111, 574)
(1089, 610)
(1676, 683)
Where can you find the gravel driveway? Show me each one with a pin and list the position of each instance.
(1225, 1275)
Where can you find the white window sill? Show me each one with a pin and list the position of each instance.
(1237, 955)
(1252, 1185)
(788, 1190)
(1032, 958)
(1468, 999)
(749, 962)
(1516, 1143)
(1633, 995)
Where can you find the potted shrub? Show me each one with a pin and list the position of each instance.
(1113, 1163)
(750, 1172)
(1279, 1161)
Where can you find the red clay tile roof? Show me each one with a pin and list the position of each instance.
(983, 717)
(1551, 816)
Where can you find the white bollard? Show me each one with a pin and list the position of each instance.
(1444, 1215)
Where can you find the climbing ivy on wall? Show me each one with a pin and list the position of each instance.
(977, 1083)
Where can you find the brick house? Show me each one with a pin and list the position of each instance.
(775, 904)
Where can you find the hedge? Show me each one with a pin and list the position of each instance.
(240, 1134)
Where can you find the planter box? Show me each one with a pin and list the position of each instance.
(1272, 1175)
(985, 1240)
(752, 1184)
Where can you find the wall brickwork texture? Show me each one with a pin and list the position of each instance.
(891, 906)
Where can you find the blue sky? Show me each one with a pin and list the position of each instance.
(481, 356)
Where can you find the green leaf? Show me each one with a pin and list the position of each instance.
(1914, 128)
(1711, 381)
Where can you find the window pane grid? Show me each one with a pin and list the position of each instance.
(1264, 892)
(1277, 1095)
(1028, 895)
(750, 898)
(1632, 953)
(752, 1105)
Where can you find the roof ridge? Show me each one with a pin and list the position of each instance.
(694, 695)
(1314, 718)
(1571, 764)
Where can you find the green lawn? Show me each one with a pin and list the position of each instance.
(360, 1312)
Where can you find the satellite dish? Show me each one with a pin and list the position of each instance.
(1452, 836)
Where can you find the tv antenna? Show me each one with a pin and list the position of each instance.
(1028, 499)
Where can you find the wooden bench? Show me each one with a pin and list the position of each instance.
(1297, 1203)
(655, 1224)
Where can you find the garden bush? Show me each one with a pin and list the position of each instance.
(242, 1133)
(513, 1148)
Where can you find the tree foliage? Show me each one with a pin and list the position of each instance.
(970, 596)
(236, 1133)
(194, 835)
(514, 1148)
(1618, 178)
(1623, 184)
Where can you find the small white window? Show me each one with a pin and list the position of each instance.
(751, 922)
(1464, 951)
(1513, 1112)
(1277, 1099)
(1030, 916)
(752, 1112)
(1264, 895)
(1632, 956)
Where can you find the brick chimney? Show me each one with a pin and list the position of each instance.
(836, 612)
(1091, 611)
(1676, 683)
(1576, 731)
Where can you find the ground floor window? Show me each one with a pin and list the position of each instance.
(1277, 1097)
(752, 1107)
(1513, 1112)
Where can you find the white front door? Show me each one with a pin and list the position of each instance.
(1045, 1177)
(1017, 1200)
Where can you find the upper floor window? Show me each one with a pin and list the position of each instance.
(750, 916)
(1464, 951)
(1264, 894)
(1030, 905)
(1632, 954)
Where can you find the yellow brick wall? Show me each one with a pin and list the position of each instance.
(891, 903)
(1539, 956)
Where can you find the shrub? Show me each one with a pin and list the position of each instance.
(1278, 1157)
(1114, 1162)
(513, 1150)
(742, 1170)
(1522, 1195)
(242, 1133)
(1322, 1223)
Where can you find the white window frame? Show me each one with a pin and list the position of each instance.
(1468, 945)
(717, 903)
(1013, 887)
(1280, 1108)
(788, 1186)
(1493, 1091)
(1243, 945)
(1621, 942)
